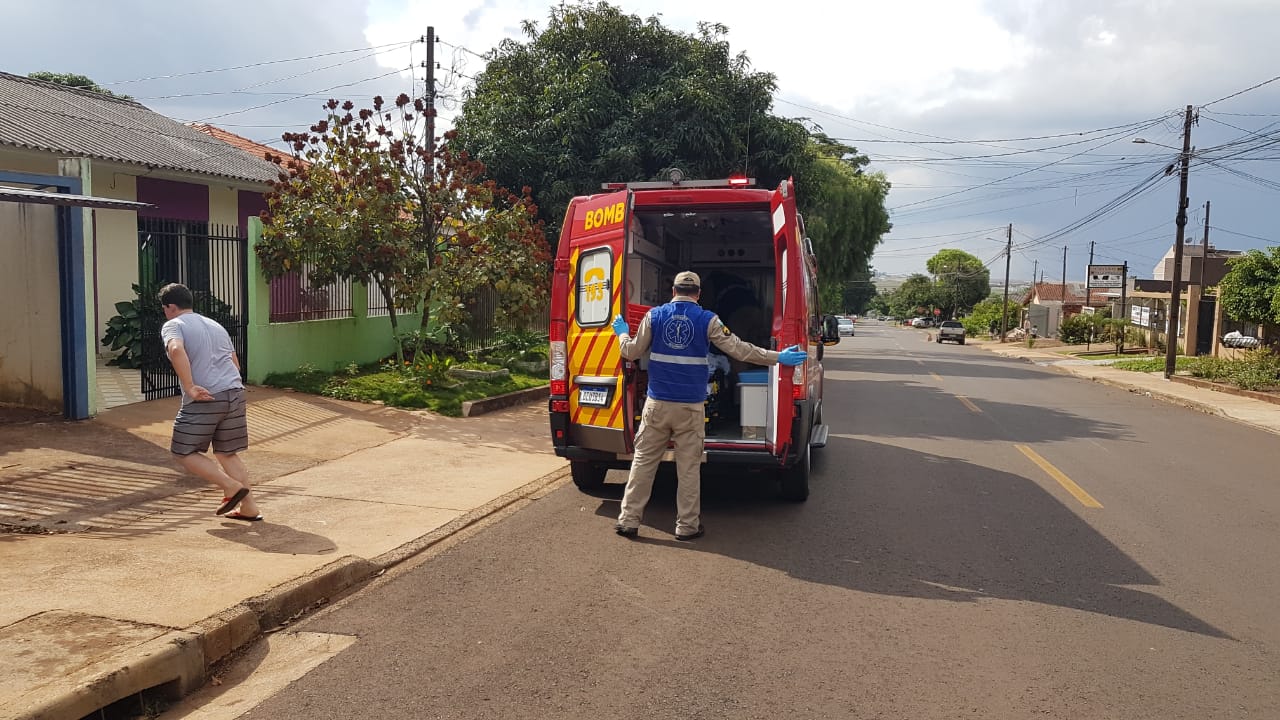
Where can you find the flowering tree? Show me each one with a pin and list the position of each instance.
(368, 197)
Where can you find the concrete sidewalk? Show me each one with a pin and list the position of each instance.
(1256, 413)
(119, 577)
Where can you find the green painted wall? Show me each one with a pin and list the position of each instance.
(325, 344)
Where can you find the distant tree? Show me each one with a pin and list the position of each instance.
(374, 202)
(857, 294)
(915, 296)
(844, 212)
(963, 280)
(988, 314)
(73, 80)
(1250, 291)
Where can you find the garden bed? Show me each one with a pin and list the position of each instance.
(419, 387)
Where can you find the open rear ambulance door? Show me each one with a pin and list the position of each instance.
(600, 416)
(790, 317)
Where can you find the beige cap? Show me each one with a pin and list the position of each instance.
(687, 279)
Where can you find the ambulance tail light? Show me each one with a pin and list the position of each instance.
(799, 383)
(559, 368)
(738, 180)
(560, 406)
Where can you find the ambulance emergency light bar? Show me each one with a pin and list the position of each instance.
(677, 180)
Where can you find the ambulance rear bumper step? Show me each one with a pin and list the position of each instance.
(818, 438)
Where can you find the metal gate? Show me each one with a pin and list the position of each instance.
(211, 260)
(1204, 329)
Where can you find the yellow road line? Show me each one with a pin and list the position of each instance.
(1076, 491)
(969, 403)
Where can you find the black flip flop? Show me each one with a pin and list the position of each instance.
(231, 502)
(237, 515)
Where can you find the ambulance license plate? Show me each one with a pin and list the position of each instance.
(597, 396)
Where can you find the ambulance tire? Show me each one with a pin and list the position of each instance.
(794, 486)
(587, 476)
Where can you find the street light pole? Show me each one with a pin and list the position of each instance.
(1175, 286)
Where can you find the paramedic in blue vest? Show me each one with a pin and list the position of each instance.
(678, 336)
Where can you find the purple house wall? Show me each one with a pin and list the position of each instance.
(171, 199)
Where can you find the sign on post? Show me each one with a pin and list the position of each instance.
(1106, 276)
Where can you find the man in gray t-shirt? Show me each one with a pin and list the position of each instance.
(213, 403)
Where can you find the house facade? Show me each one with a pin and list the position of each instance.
(184, 197)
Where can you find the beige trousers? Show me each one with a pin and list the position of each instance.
(662, 422)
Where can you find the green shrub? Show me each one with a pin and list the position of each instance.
(1210, 368)
(1259, 370)
(1077, 329)
(1154, 363)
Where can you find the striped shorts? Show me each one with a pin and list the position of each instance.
(220, 421)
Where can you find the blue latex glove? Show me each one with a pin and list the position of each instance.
(792, 356)
(620, 326)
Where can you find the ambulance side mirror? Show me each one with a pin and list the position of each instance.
(830, 330)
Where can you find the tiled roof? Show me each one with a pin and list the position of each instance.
(1054, 292)
(43, 116)
(255, 149)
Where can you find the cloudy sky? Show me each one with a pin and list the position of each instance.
(982, 114)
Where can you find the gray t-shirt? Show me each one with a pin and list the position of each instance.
(209, 348)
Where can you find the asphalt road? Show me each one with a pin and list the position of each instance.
(985, 539)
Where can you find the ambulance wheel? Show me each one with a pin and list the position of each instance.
(795, 480)
(587, 475)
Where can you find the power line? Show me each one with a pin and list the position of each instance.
(1241, 92)
(252, 65)
(1114, 137)
(246, 89)
(463, 49)
(397, 71)
(1233, 232)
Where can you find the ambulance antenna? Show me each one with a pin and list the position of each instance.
(746, 158)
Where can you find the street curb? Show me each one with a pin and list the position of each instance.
(1238, 392)
(471, 408)
(395, 556)
(174, 662)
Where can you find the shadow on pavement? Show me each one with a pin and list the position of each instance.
(270, 537)
(917, 525)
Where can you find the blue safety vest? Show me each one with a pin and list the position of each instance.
(678, 352)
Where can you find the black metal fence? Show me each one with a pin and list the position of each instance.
(211, 260)
(377, 303)
(292, 298)
(483, 330)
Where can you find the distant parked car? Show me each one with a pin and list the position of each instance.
(922, 322)
(846, 326)
(951, 330)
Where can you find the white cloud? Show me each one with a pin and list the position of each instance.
(964, 69)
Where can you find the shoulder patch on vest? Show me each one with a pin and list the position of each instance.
(725, 329)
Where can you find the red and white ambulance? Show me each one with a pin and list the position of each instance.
(619, 252)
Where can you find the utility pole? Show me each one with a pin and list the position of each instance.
(1088, 296)
(1035, 269)
(431, 100)
(1004, 309)
(1124, 304)
(1064, 273)
(1175, 285)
